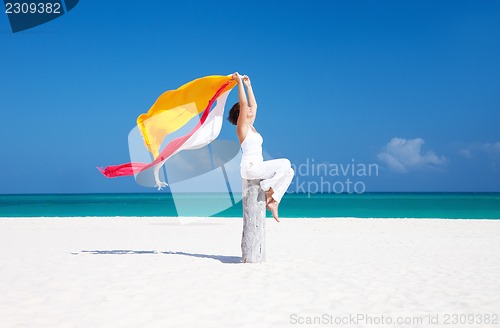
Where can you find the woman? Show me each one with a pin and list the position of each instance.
(276, 174)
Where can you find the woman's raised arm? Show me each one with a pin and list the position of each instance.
(241, 126)
(252, 103)
(242, 98)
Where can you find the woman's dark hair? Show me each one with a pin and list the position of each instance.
(234, 112)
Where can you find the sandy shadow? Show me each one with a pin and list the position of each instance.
(220, 258)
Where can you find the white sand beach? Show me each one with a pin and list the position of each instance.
(170, 272)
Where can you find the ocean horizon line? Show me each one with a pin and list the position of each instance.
(469, 205)
(222, 193)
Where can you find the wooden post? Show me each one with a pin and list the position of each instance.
(253, 241)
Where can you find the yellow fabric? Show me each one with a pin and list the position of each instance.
(175, 108)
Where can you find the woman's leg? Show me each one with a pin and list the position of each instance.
(273, 207)
(279, 183)
(276, 175)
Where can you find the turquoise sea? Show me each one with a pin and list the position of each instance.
(382, 205)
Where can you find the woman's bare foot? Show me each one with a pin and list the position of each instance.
(273, 207)
(269, 196)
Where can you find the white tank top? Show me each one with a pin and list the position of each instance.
(251, 147)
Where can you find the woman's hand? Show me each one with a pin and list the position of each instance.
(237, 77)
(246, 80)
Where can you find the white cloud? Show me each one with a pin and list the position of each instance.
(491, 149)
(402, 155)
(467, 153)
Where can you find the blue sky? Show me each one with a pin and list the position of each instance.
(409, 85)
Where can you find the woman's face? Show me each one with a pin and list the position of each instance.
(250, 113)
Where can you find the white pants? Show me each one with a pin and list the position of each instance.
(276, 174)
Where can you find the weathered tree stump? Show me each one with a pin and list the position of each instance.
(253, 241)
